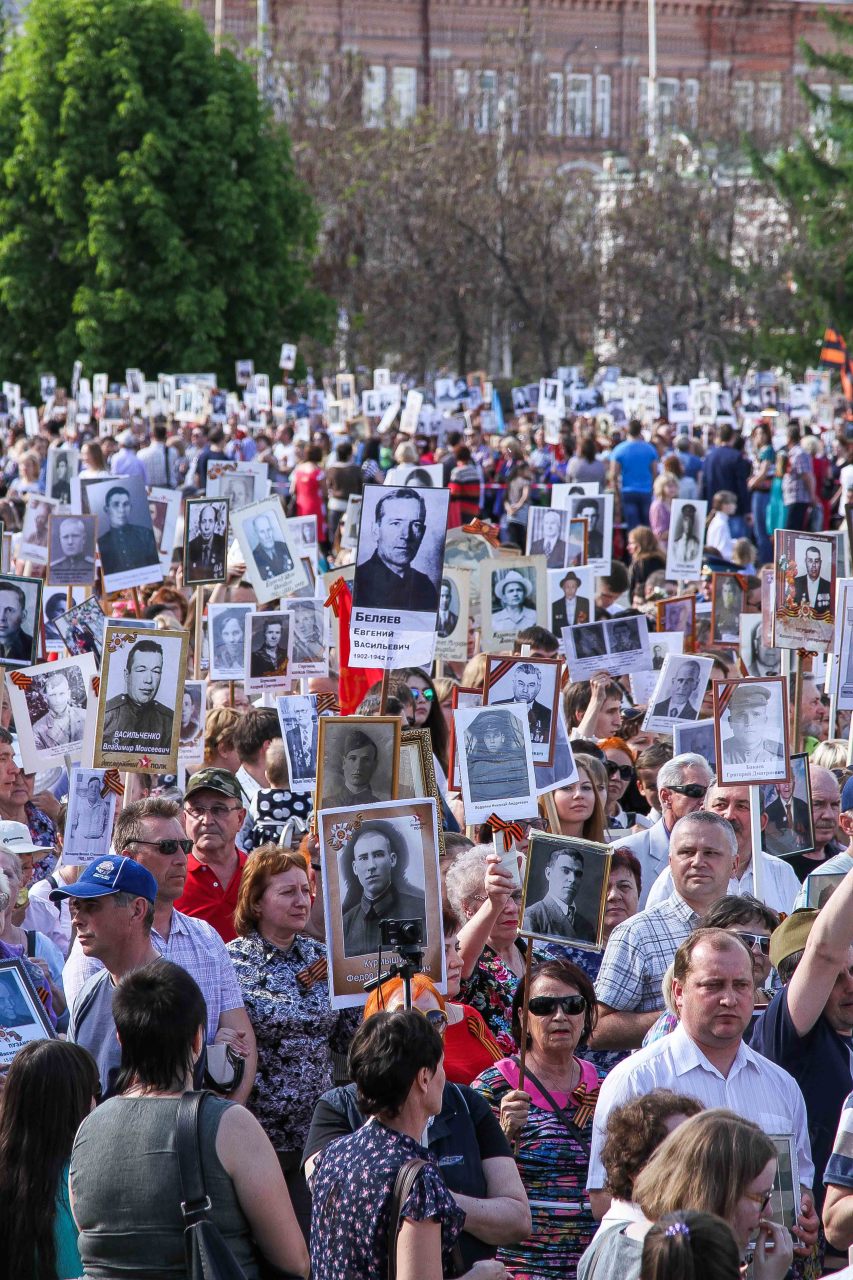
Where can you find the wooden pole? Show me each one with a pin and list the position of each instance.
(69, 598)
(383, 692)
(137, 602)
(199, 630)
(528, 964)
(796, 697)
(231, 693)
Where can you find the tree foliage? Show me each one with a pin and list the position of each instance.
(149, 209)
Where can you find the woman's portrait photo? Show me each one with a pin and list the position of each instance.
(496, 763)
(227, 626)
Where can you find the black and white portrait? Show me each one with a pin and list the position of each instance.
(697, 737)
(400, 549)
(89, 821)
(686, 541)
(678, 613)
(468, 551)
(51, 713)
(495, 762)
(126, 542)
(786, 809)
(784, 1206)
(449, 608)
(63, 464)
(535, 684)
(227, 625)
(20, 614)
(728, 597)
(453, 620)
(35, 528)
(806, 567)
(191, 731)
(22, 1017)
(300, 727)
(678, 693)
(547, 535)
(598, 512)
(272, 563)
(758, 658)
(205, 540)
(416, 476)
(267, 651)
(588, 640)
(350, 523)
(357, 762)
(512, 599)
(678, 405)
(564, 889)
(380, 882)
(244, 372)
(142, 683)
(752, 728)
(71, 543)
(237, 486)
(619, 645)
(571, 597)
(81, 628)
(309, 642)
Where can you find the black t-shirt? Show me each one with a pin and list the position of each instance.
(820, 1063)
(802, 865)
(461, 1137)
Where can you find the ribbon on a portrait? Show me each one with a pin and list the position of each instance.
(485, 530)
(513, 829)
(334, 600)
(327, 702)
(21, 681)
(96, 686)
(112, 783)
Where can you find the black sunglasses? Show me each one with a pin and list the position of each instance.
(694, 790)
(625, 771)
(546, 1006)
(756, 940)
(168, 848)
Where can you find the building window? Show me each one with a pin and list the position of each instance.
(554, 105)
(373, 92)
(580, 106)
(487, 106)
(690, 92)
(743, 104)
(461, 98)
(404, 93)
(318, 91)
(769, 108)
(668, 95)
(602, 106)
(512, 111)
(284, 91)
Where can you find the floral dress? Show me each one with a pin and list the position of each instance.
(553, 1167)
(351, 1190)
(490, 989)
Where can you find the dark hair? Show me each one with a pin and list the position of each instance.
(689, 1245)
(562, 971)
(157, 1010)
(48, 1094)
(537, 637)
(578, 697)
(252, 730)
(435, 721)
(729, 911)
(344, 450)
(16, 591)
(633, 1133)
(629, 862)
(617, 579)
(385, 1056)
(589, 450)
(787, 967)
(409, 494)
(654, 756)
(117, 488)
(314, 453)
(142, 646)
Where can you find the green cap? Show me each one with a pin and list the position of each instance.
(791, 935)
(215, 780)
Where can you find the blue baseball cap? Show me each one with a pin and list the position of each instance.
(847, 796)
(112, 874)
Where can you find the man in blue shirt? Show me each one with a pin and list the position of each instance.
(725, 467)
(635, 462)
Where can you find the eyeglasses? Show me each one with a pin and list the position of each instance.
(695, 790)
(168, 848)
(219, 812)
(753, 940)
(547, 1006)
(625, 771)
(761, 1198)
(481, 898)
(428, 695)
(436, 1018)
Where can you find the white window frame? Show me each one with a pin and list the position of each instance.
(603, 101)
(579, 94)
(554, 104)
(486, 116)
(690, 95)
(768, 103)
(512, 106)
(374, 90)
(744, 104)
(404, 93)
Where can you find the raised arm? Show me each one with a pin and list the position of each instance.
(827, 953)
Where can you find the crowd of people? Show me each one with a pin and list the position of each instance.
(672, 1102)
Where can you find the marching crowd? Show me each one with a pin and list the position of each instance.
(643, 1110)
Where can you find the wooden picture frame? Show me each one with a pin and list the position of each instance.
(725, 617)
(22, 1015)
(473, 698)
(775, 839)
(417, 745)
(538, 919)
(385, 728)
(748, 758)
(664, 624)
(543, 720)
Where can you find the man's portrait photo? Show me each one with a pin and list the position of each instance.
(546, 535)
(555, 878)
(142, 683)
(806, 572)
(513, 600)
(192, 715)
(126, 542)
(72, 551)
(62, 465)
(623, 635)
(272, 564)
(571, 608)
(357, 760)
(238, 488)
(307, 624)
(81, 628)
(787, 807)
(206, 540)
(752, 725)
(810, 585)
(297, 714)
(678, 614)
(57, 710)
(267, 644)
(758, 658)
(35, 528)
(589, 640)
(598, 513)
(89, 822)
(535, 684)
(728, 599)
(20, 611)
(400, 549)
(14, 1010)
(686, 538)
(678, 692)
(227, 626)
(448, 615)
(373, 866)
(495, 757)
(271, 555)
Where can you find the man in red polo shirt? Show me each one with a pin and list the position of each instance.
(213, 815)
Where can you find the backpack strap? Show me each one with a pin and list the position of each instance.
(31, 943)
(195, 1202)
(403, 1183)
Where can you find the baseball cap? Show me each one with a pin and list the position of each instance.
(222, 780)
(791, 935)
(112, 874)
(847, 796)
(15, 838)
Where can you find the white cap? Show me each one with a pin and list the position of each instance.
(15, 838)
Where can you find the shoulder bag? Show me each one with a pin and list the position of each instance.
(583, 1140)
(403, 1184)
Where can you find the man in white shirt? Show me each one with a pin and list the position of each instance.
(706, 1058)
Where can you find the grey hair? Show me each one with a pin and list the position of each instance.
(16, 859)
(673, 772)
(466, 876)
(709, 818)
(5, 891)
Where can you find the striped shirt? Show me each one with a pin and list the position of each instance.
(639, 952)
(839, 1168)
(755, 1088)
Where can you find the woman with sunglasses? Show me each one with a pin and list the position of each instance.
(549, 1118)
(429, 715)
(296, 1029)
(463, 1137)
(619, 762)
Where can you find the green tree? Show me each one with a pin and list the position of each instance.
(149, 209)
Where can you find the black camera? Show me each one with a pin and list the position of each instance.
(398, 934)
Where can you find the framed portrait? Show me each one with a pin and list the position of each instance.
(309, 639)
(205, 540)
(619, 645)
(226, 625)
(357, 761)
(54, 603)
(22, 1015)
(20, 614)
(678, 613)
(451, 628)
(51, 712)
(786, 811)
(126, 543)
(820, 886)
(678, 693)
(142, 684)
(577, 552)
(414, 476)
(758, 659)
(784, 1204)
(698, 737)
(71, 550)
(564, 891)
(244, 372)
(547, 535)
(597, 510)
(416, 775)
(642, 683)
(164, 506)
(561, 493)
(513, 597)
(191, 731)
(350, 523)
(495, 762)
(303, 532)
(843, 669)
(300, 721)
(686, 543)
(728, 602)
(459, 697)
(266, 655)
(35, 528)
(387, 854)
(571, 597)
(534, 683)
(751, 724)
(467, 551)
(242, 483)
(81, 628)
(89, 821)
(272, 564)
(806, 569)
(63, 465)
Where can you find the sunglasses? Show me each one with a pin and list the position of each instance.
(168, 848)
(436, 1018)
(428, 695)
(694, 790)
(625, 771)
(753, 940)
(547, 1006)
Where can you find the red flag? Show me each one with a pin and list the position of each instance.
(353, 682)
